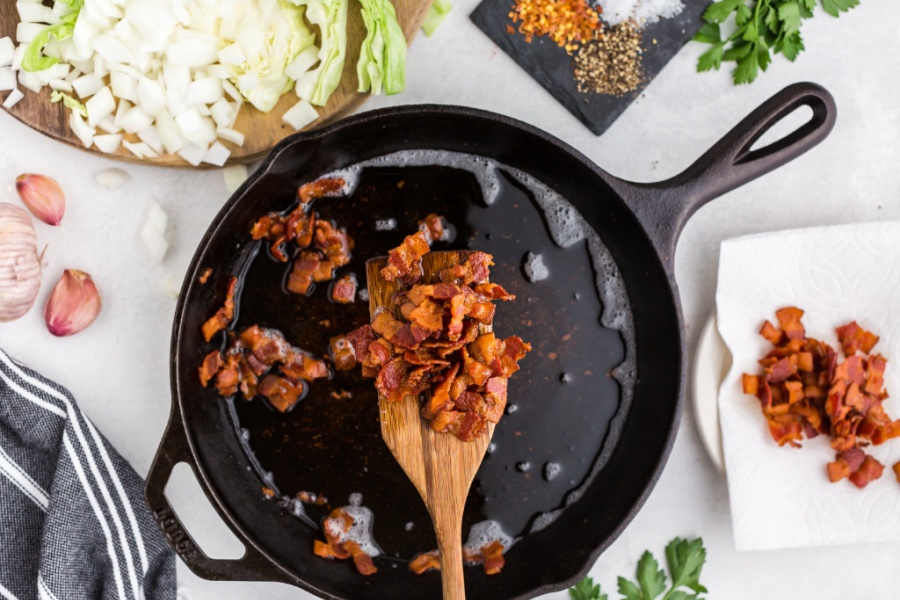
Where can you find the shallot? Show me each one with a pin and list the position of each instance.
(20, 267)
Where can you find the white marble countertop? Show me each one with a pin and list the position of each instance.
(118, 368)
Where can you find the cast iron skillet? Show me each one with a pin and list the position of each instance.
(639, 223)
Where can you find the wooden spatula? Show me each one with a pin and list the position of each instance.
(440, 465)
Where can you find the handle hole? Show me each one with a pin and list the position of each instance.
(199, 517)
(783, 127)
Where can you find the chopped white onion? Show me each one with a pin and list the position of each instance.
(7, 51)
(108, 143)
(230, 135)
(112, 179)
(234, 177)
(7, 79)
(300, 115)
(171, 285)
(13, 98)
(87, 85)
(101, 105)
(153, 234)
(231, 55)
(83, 131)
(193, 153)
(217, 155)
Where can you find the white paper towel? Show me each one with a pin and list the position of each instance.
(781, 497)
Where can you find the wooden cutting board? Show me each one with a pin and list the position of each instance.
(261, 131)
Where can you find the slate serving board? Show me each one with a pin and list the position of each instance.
(553, 68)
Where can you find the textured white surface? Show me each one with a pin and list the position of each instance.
(118, 368)
(781, 497)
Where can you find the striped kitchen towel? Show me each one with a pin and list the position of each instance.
(73, 522)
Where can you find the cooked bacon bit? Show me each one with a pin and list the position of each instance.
(312, 498)
(436, 344)
(296, 226)
(341, 395)
(493, 558)
(434, 227)
(223, 316)
(361, 560)
(342, 353)
(321, 188)
(493, 291)
(254, 353)
(405, 261)
(360, 340)
(476, 269)
(302, 271)
(337, 523)
(282, 392)
(268, 492)
(854, 338)
(204, 277)
(343, 291)
(805, 391)
(210, 366)
(870, 470)
(426, 561)
(334, 242)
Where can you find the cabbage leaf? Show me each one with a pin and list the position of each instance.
(34, 59)
(382, 57)
(330, 16)
(437, 12)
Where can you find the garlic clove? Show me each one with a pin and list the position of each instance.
(73, 304)
(43, 197)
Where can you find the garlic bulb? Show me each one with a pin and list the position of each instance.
(20, 268)
(73, 304)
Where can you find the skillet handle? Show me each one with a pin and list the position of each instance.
(664, 207)
(174, 449)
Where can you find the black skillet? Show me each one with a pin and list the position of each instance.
(639, 223)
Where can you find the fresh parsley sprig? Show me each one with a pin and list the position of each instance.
(762, 28)
(685, 559)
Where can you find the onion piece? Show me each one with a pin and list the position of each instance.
(112, 178)
(153, 234)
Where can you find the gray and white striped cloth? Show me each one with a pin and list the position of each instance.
(73, 521)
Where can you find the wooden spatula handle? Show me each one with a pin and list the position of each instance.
(452, 579)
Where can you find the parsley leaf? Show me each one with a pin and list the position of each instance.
(684, 559)
(761, 28)
(586, 590)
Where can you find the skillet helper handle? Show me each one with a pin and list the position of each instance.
(174, 449)
(664, 207)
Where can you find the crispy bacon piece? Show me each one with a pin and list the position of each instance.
(405, 261)
(296, 226)
(255, 353)
(210, 366)
(204, 277)
(336, 524)
(434, 227)
(476, 269)
(334, 242)
(426, 561)
(360, 339)
(305, 266)
(321, 188)
(223, 316)
(435, 344)
(805, 391)
(282, 392)
(493, 558)
(342, 353)
(870, 470)
(361, 560)
(343, 291)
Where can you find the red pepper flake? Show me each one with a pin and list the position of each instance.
(568, 23)
(804, 391)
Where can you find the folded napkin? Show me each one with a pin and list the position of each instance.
(73, 521)
(781, 497)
